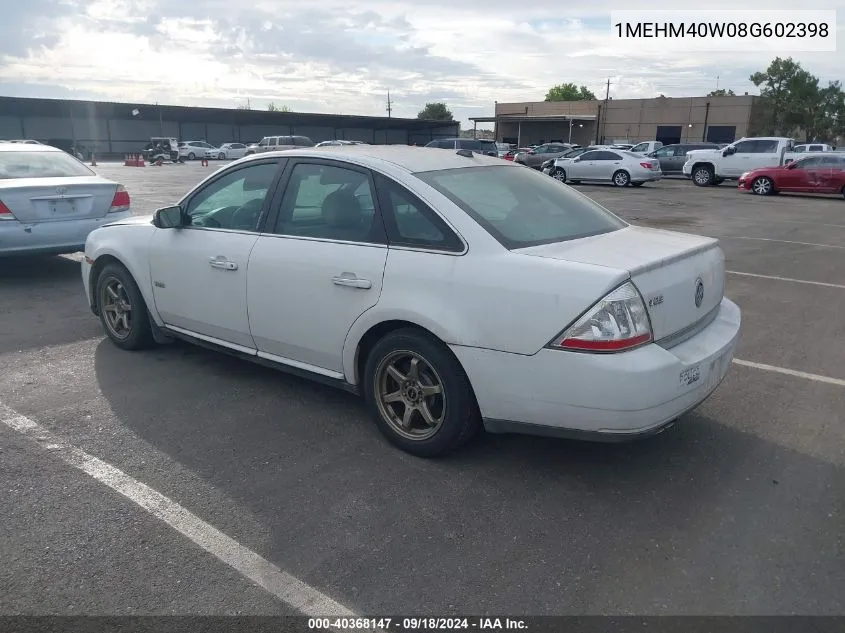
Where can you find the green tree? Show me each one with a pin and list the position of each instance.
(272, 107)
(435, 111)
(721, 92)
(570, 92)
(795, 102)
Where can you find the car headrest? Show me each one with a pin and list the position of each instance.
(341, 209)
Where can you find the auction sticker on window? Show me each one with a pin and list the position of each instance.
(690, 375)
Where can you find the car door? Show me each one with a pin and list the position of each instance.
(665, 156)
(797, 175)
(738, 162)
(829, 174)
(319, 265)
(199, 271)
(580, 167)
(605, 165)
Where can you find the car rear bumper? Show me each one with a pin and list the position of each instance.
(44, 238)
(601, 396)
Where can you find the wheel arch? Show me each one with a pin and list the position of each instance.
(107, 256)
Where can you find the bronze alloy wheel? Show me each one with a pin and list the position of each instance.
(117, 308)
(411, 396)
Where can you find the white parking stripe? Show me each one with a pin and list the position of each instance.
(766, 239)
(791, 372)
(797, 281)
(292, 591)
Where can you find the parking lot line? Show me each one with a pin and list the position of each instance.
(797, 281)
(768, 239)
(790, 372)
(290, 590)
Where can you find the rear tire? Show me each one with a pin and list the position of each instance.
(123, 311)
(621, 178)
(702, 175)
(409, 370)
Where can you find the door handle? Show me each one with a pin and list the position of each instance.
(352, 281)
(222, 263)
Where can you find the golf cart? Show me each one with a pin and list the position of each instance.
(162, 149)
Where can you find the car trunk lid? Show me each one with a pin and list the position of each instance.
(680, 276)
(58, 199)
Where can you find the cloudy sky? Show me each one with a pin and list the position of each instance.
(343, 57)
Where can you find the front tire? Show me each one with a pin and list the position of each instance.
(419, 395)
(559, 174)
(123, 311)
(702, 175)
(763, 186)
(621, 178)
(192, 156)
(221, 156)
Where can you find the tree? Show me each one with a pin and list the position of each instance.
(794, 102)
(435, 111)
(570, 92)
(272, 107)
(721, 92)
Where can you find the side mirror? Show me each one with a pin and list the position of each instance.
(728, 151)
(576, 160)
(169, 218)
(790, 164)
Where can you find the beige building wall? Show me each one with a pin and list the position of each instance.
(632, 119)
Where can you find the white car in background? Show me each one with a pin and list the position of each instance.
(226, 151)
(338, 142)
(191, 150)
(620, 167)
(50, 201)
(451, 289)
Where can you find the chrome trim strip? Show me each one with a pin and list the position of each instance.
(300, 365)
(210, 339)
(670, 341)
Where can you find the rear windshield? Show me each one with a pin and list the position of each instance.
(25, 164)
(521, 207)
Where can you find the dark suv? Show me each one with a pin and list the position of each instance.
(477, 145)
(673, 157)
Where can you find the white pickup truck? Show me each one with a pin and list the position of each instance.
(712, 166)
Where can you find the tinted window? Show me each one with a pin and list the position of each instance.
(666, 152)
(573, 153)
(233, 201)
(29, 164)
(328, 202)
(303, 140)
(765, 147)
(745, 147)
(410, 222)
(593, 155)
(489, 146)
(472, 144)
(522, 207)
(605, 155)
(816, 148)
(806, 163)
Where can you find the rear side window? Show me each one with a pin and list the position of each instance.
(40, 165)
(522, 207)
(470, 144)
(303, 140)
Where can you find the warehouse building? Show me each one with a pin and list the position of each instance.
(122, 128)
(666, 119)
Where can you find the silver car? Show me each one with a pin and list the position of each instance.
(50, 201)
(620, 167)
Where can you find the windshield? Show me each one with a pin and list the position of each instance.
(521, 207)
(30, 164)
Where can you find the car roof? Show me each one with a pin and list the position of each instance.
(27, 147)
(411, 159)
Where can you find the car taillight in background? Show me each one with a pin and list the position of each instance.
(616, 323)
(120, 202)
(6, 212)
(647, 165)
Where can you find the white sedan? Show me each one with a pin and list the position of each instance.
(621, 167)
(227, 151)
(452, 290)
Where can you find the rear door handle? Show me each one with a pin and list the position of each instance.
(352, 281)
(222, 263)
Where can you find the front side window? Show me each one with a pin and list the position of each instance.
(329, 202)
(765, 147)
(29, 164)
(807, 163)
(592, 155)
(744, 147)
(522, 207)
(233, 201)
(264, 142)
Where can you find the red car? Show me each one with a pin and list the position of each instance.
(813, 174)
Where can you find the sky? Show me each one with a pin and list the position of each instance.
(343, 57)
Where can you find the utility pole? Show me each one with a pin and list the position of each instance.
(389, 107)
(717, 82)
(604, 118)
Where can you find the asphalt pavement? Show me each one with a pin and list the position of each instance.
(738, 509)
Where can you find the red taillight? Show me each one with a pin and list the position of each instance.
(605, 346)
(120, 202)
(5, 212)
(646, 165)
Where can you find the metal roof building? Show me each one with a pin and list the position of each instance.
(110, 128)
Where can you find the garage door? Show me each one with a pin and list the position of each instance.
(669, 134)
(721, 133)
